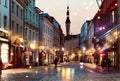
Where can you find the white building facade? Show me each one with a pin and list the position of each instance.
(49, 38)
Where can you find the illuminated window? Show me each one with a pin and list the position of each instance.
(4, 53)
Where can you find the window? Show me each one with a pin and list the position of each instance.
(5, 22)
(12, 28)
(33, 19)
(17, 29)
(29, 34)
(43, 27)
(21, 14)
(21, 31)
(33, 36)
(0, 1)
(25, 34)
(36, 36)
(5, 3)
(13, 6)
(17, 10)
(26, 14)
(0, 20)
(30, 16)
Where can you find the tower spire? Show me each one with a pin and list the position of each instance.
(68, 21)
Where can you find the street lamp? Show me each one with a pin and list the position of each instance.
(33, 45)
(63, 48)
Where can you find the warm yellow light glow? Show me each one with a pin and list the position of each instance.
(81, 63)
(106, 44)
(21, 40)
(46, 69)
(99, 48)
(99, 10)
(32, 46)
(111, 40)
(72, 56)
(30, 67)
(98, 17)
(26, 76)
(26, 59)
(43, 47)
(116, 4)
(58, 69)
(11, 54)
(13, 72)
(103, 28)
(68, 73)
(63, 71)
(63, 49)
(46, 60)
(115, 33)
(36, 72)
(37, 59)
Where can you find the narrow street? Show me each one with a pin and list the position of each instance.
(72, 71)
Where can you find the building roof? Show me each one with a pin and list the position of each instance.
(70, 37)
(38, 10)
(51, 19)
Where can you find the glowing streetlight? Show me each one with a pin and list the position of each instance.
(32, 45)
(21, 40)
(84, 48)
(63, 48)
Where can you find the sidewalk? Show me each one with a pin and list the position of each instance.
(99, 68)
(93, 67)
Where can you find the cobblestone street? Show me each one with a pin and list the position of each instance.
(64, 72)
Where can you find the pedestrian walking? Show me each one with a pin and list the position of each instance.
(103, 63)
(56, 61)
(108, 62)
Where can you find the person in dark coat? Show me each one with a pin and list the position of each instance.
(56, 61)
(108, 62)
(103, 63)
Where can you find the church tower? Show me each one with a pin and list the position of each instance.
(67, 22)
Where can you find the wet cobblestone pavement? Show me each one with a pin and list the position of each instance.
(64, 72)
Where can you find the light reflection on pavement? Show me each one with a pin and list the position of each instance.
(64, 72)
